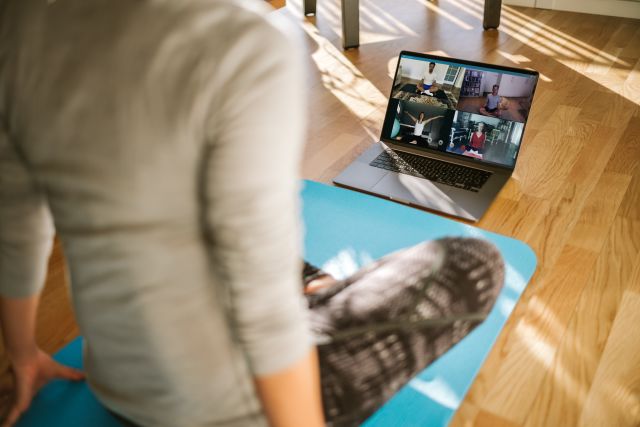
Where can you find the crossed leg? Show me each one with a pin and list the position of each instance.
(380, 327)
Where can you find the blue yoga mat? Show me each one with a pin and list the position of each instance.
(344, 231)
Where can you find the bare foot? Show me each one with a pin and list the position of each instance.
(319, 283)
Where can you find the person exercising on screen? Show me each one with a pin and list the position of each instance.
(477, 140)
(428, 85)
(420, 123)
(492, 106)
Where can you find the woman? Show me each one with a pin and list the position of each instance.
(476, 142)
(418, 128)
(426, 87)
(181, 233)
(179, 223)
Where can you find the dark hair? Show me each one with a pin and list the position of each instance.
(494, 86)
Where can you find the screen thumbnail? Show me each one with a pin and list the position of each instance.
(428, 82)
(486, 138)
(502, 95)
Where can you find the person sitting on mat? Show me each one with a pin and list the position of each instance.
(429, 80)
(492, 105)
(477, 140)
(182, 235)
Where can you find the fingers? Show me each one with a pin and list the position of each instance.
(23, 399)
(13, 416)
(68, 373)
(25, 391)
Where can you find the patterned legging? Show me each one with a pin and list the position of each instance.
(380, 327)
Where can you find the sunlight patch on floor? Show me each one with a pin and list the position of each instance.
(340, 77)
(376, 24)
(564, 48)
(522, 61)
(448, 16)
(537, 345)
(545, 353)
(540, 311)
(576, 43)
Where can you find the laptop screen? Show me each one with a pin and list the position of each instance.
(463, 108)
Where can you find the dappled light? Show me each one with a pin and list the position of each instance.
(536, 344)
(346, 262)
(437, 390)
(446, 15)
(342, 78)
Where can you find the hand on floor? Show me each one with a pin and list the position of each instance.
(31, 375)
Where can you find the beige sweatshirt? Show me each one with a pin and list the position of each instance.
(160, 139)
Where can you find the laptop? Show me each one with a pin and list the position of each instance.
(451, 135)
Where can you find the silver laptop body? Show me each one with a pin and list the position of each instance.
(451, 135)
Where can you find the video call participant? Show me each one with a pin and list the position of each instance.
(477, 140)
(420, 123)
(492, 105)
(428, 81)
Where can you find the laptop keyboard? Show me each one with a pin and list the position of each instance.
(434, 170)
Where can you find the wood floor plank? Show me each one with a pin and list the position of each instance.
(631, 86)
(547, 156)
(601, 207)
(632, 48)
(608, 109)
(566, 207)
(531, 347)
(630, 206)
(614, 396)
(514, 217)
(626, 157)
(488, 419)
(568, 379)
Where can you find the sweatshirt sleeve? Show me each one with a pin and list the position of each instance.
(251, 194)
(26, 228)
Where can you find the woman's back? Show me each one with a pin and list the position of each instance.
(126, 120)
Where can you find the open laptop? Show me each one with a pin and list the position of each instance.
(451, 135)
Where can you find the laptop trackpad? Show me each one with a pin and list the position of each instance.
(419, 191)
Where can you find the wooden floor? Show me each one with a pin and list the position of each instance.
(570, 353)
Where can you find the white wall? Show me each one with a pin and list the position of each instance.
(486, 120)
(525, 3)
(510, 85)
(414, 69)
(488, 80)
(622, 8)
(515, 86)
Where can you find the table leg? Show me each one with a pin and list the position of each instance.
(309, 7)
(491, 14)
(350, 23)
